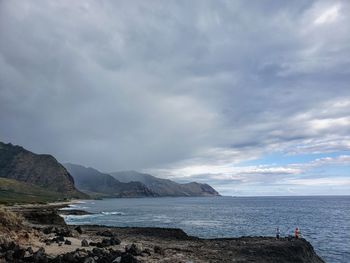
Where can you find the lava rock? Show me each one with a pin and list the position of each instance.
(48, 230)
(18, 252)
(79, 230)
(65, 232)
(108, 242)
(68, 257)
(84, 243)
(93, 244)
(134, 249)
(146, 252)
(9, 255)
(67, 242)
(128, 258)
(158, 250)
(115, 241)
(89, 260)
(40, 256)
(106, 233)
(117, 260)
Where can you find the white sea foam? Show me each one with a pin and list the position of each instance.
(74, 206)
(161, 218)
(78, 217)
(113, 213)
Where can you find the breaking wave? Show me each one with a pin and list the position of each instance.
(113, 213)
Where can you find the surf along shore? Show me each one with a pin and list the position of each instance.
(37, 233)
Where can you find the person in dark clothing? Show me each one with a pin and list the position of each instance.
(278, 233)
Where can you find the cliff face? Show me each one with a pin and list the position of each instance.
(93, 182)
(267, 250)
(165, 187)
(38, 169)
(198, 189)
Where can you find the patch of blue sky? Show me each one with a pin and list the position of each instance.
(280, 158)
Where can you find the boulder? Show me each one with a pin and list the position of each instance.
(93, 244)
(65, 232)
(134, 249)
(89, 260)
(78, 229)
(106, 233)
(146, 251)
(47, 230)
(84, 243)
(68, 257)
(97, 251)
(158, 250)
(40, 256)
(117, 260)
(9, 255)
(128, 258)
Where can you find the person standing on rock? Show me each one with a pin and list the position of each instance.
(277, 233)
(296, 233)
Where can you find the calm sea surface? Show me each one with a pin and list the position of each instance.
(323, 220)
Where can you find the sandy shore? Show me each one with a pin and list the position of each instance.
(150, 244)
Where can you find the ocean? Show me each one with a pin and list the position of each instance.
(323, 220)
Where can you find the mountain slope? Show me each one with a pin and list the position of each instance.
(13, 191)
(93, 182)
(38, 169)
(166, 187)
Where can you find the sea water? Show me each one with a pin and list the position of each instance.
(323, 220)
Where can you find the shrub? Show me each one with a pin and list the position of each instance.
(9, 219)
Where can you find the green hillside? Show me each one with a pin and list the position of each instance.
(13, 191)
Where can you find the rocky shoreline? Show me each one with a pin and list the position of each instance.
(46, 238)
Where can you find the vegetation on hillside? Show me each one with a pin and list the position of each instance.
(13, 191)
(42, 170)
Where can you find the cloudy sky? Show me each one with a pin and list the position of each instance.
(252, 97)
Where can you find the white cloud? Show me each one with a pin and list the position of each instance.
(337, 181)
(181, 88)
(328, 16)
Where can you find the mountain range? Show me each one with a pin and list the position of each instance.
(166, 187)
(97, 184)
(132, 184)
(25, 175)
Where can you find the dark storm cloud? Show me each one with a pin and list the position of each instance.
(120, 85)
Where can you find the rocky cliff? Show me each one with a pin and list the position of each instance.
(38, 169)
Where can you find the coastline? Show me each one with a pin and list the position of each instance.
(139, 244)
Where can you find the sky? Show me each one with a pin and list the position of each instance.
(252, 97)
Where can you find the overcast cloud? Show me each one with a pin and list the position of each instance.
(193, 90)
